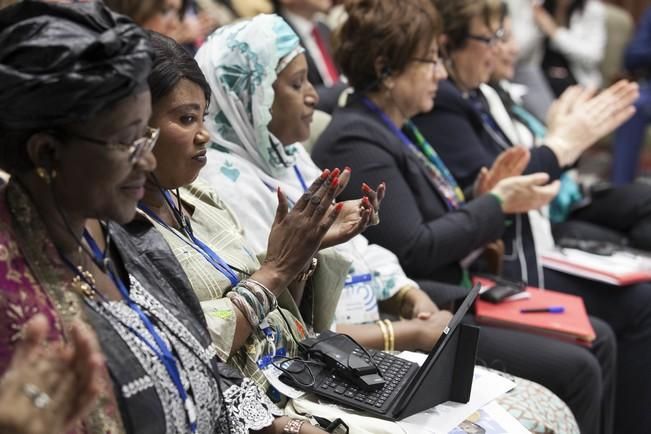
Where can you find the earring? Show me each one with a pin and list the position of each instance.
(45, 176)
(42, 173)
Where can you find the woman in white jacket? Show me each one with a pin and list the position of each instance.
(575, 29)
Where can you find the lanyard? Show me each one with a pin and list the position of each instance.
(455, 192)
(209, 254)
(299, 175)
(158, 347)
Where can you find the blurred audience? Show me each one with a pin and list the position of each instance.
(434, 227)
(468, 138)
(630, 137)
(306, 19)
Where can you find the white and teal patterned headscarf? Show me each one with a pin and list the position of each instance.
(241, 62)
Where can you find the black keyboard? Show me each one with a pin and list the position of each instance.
(395, 371)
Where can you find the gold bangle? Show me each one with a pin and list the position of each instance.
(400, 295)
(392, 336)
(385, 334)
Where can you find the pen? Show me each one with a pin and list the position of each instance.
(550, 309)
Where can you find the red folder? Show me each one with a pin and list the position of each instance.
(572, 325)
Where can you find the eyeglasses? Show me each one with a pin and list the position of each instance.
(435, 61)
(136, 149)
(491, 40)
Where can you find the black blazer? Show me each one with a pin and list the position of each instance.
(415, 223)
(456, 130)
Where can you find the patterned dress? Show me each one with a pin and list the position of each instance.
(34, 280)
(213, 224)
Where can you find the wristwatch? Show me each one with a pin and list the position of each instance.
(309, 272)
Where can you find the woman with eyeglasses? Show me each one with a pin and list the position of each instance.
(618, 206)
(467, 138)
(75, 138)
(428, 221)
(252, 305)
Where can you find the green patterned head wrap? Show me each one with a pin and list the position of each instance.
(241, 62)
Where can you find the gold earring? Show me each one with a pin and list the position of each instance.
(45, 176)
(42, 173)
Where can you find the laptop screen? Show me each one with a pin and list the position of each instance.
(443, 341)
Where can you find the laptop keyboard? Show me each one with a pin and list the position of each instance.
(394, 370)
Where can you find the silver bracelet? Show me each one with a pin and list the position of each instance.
(273, 302)
(293, 426)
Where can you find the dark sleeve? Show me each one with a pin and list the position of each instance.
(454, 137)
(543, 159)
(638, 53)
(420, 245)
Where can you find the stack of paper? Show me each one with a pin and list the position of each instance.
(620, 268)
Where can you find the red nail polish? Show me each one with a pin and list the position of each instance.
(365, 188)
(335, 173)
(335, 182)
(338, 207)
(366, 201)
(325, 174)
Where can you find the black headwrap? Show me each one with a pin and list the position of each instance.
(64, 62)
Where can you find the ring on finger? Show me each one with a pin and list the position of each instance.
(39, 398)
(315, 200)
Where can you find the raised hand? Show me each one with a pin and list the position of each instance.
(296, 235)
(356, 215)
(524, 193)
(511, 162)
(47, 390)
(578, 119)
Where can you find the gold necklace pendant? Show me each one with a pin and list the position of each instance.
(84, 282)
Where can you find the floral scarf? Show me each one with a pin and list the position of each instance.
(241, 62)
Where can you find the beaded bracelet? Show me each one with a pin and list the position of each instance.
(246, 309)
(293, 426)
(252, 300)
(258, 298)
(271, 298)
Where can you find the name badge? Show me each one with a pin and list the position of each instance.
(358, 303)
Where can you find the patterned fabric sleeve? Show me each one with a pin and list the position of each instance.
(248, 409)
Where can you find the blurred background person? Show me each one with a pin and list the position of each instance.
(561, 43)
(629, 138)
(306, 17)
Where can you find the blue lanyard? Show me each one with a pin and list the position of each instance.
(159, 347)
(301, 181)
(209, 254)
(455, 196)
(388, 122)
(299, 175)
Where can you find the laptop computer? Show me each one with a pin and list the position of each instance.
(408, 389)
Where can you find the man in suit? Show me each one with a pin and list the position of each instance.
(323, 73)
